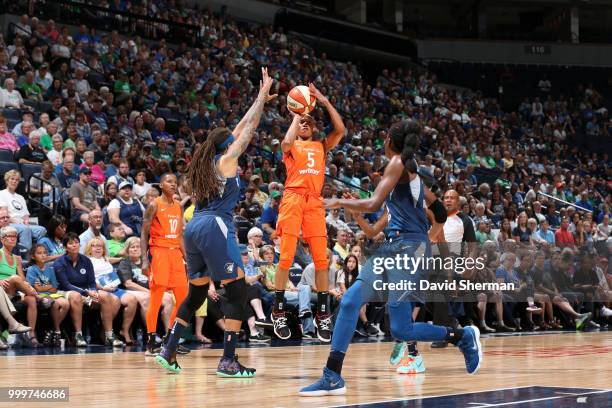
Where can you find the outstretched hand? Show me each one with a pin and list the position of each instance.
(265, 84)
(313, 90)
(331, 203)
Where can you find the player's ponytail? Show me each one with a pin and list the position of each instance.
(405, 139)
(202, 176)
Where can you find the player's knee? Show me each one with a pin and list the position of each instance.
(284, 263)
(351, 301)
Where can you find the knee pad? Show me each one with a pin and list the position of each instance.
(287, 247)
(196, 296)
(235, 292)
(318, 249)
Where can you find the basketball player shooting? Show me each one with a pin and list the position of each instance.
(302, 207)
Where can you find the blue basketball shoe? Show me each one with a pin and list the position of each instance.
(330, 383)
(471, 348)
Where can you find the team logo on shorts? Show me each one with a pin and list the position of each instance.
(229, 267)
(83, 271)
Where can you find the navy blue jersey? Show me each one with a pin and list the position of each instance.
(227, 198)
(406, 208)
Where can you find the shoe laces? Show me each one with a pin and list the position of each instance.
(280, 321)
(324, 322)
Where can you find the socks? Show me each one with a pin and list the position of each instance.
(230, 339)
(412, 348)
(322, 301)
(79, 332)
(279, 299)
(174, 336)
(108, 334)
(453, 335)
(335, 360)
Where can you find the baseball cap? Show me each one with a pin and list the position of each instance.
(275, 142)
(125, 184)
(85, 170)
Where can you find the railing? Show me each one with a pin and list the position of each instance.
(105, 19)
(38, 197)
(565, 202)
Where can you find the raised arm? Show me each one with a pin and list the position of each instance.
(228, 163)
(337, 134)
(393, 172)
(291, 134)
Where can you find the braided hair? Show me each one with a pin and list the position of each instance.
(202, 177)
(405, 137)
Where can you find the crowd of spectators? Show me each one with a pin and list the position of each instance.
(90, 121)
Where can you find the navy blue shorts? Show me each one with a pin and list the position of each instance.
(211, 248)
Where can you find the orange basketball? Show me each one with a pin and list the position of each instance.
(300, 100)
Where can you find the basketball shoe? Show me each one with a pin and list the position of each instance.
(330, 383)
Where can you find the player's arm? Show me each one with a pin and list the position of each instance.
(144, 235)
(337, 134)
(291, 134)
(228, 163)
(393, 173)
(371, 230)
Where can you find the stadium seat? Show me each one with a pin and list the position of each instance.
(28, 169)
(6, 155)
(31, 103)
(11, 114)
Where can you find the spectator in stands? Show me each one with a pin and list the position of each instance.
(18, 211)
(116, 245)
(94, 230)
(7, 140)
(122, 174)
(249, 208)
(7, 309)
(83, 197)
(108, 281)
(137, 284)
(12, 279)
(270, 215)
(255, 242)
(44, 186)
(141, 187)
(41, 276)
(80, 287)
(126, 210)
(564, 238)
(522, 232)
(333, 219)
(484, 233)
(53, 242)
(32, 152)
(342, 247)
(603, 229)
(55, 154)
(97, 174)
(259, 196)
(10, 97)
(545, 235)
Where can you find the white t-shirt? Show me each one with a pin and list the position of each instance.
(453, 233)
(18, 209)
(11, 99)
(54, 157)
(101, 266)
(116, 204)
(140, 191)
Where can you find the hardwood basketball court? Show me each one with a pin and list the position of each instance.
(561, 369)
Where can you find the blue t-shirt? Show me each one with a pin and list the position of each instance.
(45, 277)
(53, 247)
(508, 276)
(79, 277)
(269, 216)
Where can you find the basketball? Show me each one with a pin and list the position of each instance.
(300, 100)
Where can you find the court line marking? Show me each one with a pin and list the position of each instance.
(545, 399)
(436, 396)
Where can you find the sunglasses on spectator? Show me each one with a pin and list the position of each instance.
(10, 236)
